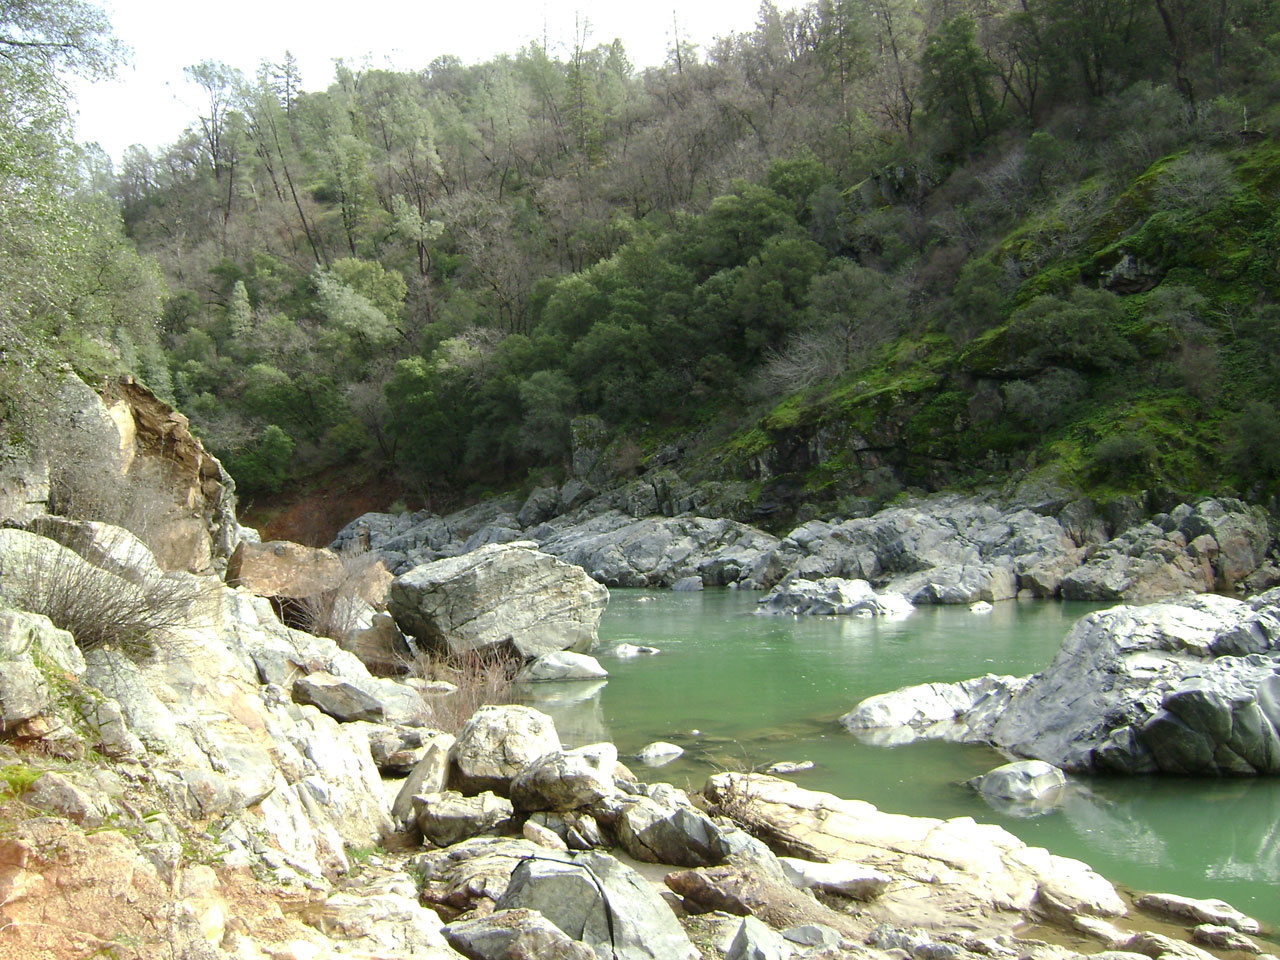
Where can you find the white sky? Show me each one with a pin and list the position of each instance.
(150, 103)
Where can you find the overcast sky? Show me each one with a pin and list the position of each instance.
(150, 103)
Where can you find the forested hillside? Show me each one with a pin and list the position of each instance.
(871, 244)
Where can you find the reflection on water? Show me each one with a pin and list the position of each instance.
(739, 691)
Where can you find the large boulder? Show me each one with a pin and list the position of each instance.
(279, 568)
(950, 866)
(1184, 688)
(566, 779)
(657, 832)
(599, 901)
(448, 818)
(498, 742)
(1190, 688)
(501, 594)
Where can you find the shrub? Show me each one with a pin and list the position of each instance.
(1124, 455)
(480, 678)
(95, 606)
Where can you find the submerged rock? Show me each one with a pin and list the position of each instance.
(658, 753)
(561, 665)
(1025, 787)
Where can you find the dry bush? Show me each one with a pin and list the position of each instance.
(809, 358)
(336, 612)
(96, 607)
(481, 678)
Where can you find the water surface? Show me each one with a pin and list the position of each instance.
(739, 691)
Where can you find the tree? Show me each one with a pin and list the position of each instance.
(957, 83)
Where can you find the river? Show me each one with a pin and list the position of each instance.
(740, 691)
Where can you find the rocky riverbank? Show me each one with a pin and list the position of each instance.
(938, 549)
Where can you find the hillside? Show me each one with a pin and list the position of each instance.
(869, 246)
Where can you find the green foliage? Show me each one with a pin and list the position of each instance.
(958, 83)
(262, 466)
(1081, 331)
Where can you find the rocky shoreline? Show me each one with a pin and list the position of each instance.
(946, 548)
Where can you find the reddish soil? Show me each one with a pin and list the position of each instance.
(314, 513)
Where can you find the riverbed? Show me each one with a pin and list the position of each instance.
(739, 691)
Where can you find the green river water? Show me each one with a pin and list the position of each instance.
(739, 691)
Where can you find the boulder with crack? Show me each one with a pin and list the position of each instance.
(499, 595)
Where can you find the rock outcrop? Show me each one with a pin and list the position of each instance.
(1185, 688)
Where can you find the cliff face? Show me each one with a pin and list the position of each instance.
(125, 456)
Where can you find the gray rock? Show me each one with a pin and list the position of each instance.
(475, 869)
(114, 738)
(339, 698)
(541, 506)
(842, 877)
(964, 711)
(430, 775)
(1214, 912)
(543, 836)
(619, 550)
(499, 595)
(813, 936)
(54, 794)
(25, 635)
(627, 650)
(758, 941)
(24, 483)
(562, 665)
(380, 646)
(1132, 690)
(942, 549)
(514, 933)
(110, 548)
(1024, 781)
(566, 780)
(657, 832)
(784, 767)
(595, 899)
(1223, 938)
(687, 585)
(448, 818)
(496, 743)
(832, 596)
(23, 693)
